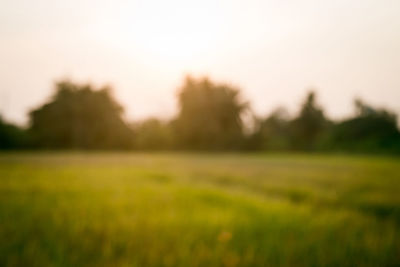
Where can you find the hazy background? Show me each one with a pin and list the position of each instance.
(273, 50)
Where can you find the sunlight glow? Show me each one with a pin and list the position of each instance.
(270, 49)
(169, 32)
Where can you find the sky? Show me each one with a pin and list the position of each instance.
(273, 50)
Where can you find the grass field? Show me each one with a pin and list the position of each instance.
(116, 209)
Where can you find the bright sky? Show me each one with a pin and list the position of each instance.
(273, 49)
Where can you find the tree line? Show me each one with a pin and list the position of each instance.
(211, 117)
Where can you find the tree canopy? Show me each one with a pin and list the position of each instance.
(80, 117)
(210, 115)
(309, 125)
(370, 129)
(12, 136)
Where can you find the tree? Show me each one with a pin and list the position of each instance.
(12, 136)
(369, 130)
(309, 125)
(274, 130)
(80, 117)
(153, 134)
(210, 116)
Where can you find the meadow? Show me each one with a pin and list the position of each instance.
(183, 209)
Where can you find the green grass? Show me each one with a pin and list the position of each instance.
(111, 209)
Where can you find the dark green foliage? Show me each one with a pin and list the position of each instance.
(153, 134)
(80, 117)
(210, 116)
(11, 136)
(309, 125)
(275, 132)
(370, 130)
(279, 132)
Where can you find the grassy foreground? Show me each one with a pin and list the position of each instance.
(110, 209)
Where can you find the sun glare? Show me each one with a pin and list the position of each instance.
(164, 33)
(179, 39)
